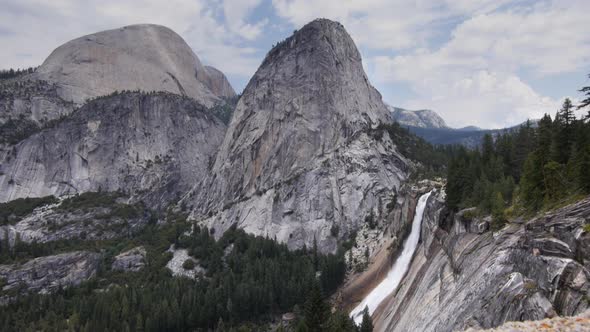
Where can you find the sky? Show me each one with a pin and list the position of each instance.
(489, 63)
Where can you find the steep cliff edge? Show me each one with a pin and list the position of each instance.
(150, 145)
(298, 157)
(218, 83)
(463, 276)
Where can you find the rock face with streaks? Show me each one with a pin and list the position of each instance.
(462, 279)
(298, 158)
(26, 105)
(218, 83)
(151, 145)
(142, 57)
(48, 274)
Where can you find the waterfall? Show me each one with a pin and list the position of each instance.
(399, 268)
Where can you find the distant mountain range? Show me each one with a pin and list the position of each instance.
(433, 128)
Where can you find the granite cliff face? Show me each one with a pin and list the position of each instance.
(465, 276)
(27, 105)
(218, 83)
(297, 157)
(150, 145)
(142, 57)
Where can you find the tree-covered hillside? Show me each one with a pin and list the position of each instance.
(247, 281)
(531, 169)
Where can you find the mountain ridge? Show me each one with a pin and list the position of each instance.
(430, 126)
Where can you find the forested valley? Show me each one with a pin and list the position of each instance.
(247, 282)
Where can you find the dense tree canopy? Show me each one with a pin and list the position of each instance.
(11, 73)
(533, 168)
(248, 280)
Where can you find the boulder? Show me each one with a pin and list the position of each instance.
(131, 260)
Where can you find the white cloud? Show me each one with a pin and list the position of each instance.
(236, 13)
(473, 78)
(463, 58)
(385, 24)
(31, 29)
(485, 99)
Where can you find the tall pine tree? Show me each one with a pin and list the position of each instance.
(367, 323)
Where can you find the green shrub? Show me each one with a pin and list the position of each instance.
(89, 200)
(370, 220)
(334, 230)
(470, 214)
(188, 264)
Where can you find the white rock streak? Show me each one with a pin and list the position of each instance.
(399, 269)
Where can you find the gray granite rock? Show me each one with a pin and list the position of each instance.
(131, 260)
(176, 264)
(461, 280)
(218, 83)
(150, 145)
(143, 57)
(26, 105)
(420, 118)
(48, 274)
(298, 157)
(51, 223)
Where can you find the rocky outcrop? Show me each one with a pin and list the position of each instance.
(525, 271)
(150, 145)
(48, 274)
(176, 264)
(53, 223)
(142, 57)
(420, 118)
(131, 260)
(298, 157)
(218, 83)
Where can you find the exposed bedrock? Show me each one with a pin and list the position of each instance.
(144, 57)
(461, 279)
(298, 157)
(154, 146)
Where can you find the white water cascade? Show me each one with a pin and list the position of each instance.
(399, 268)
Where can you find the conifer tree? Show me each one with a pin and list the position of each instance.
(563, 132)
(316, 310)
(585, 102)
(367, 323)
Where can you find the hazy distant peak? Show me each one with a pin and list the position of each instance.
(417, 118)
